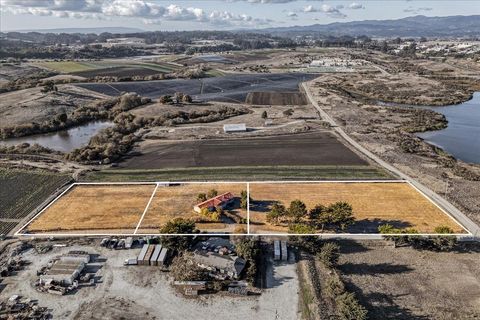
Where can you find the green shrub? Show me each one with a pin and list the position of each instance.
(334, 287)
(348, 307)
(300, 228)
(329, 254)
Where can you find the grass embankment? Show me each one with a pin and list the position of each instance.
(260, 173)
(66, 66)
(22, 191)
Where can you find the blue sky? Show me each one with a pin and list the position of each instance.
(212, 14)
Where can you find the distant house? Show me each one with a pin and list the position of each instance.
(222, 201)
(230, 128)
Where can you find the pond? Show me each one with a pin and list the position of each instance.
(65, 140)
(462, 136)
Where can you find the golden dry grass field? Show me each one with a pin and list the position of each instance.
(373, 204)
(177, 201)
(95, 208)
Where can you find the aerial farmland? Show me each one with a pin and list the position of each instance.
(374, 204)
(95, 209)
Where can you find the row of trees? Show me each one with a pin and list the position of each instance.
(249, 249)
(409, 237)
(345, 303)
(329, 284)
(338, 215)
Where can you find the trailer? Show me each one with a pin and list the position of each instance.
(162, 258)
(142, 254)
(284, 250)
(276, 250)
(155, 255)
(130, 262)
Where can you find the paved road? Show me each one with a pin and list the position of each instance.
(447, 206)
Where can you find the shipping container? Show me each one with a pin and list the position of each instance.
(276, 250)
(155, 255)
(148, 255)
(142, 253)
(284, 251)
(162, 258)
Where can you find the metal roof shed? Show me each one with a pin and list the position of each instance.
(234, 127)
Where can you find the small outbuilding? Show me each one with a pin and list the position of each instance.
(234, 127)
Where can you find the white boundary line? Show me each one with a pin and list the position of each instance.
(242, 182)
(329, 235)
(159, 183)
(439, 207)
(146, 208)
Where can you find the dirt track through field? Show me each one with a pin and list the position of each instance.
(301, 149)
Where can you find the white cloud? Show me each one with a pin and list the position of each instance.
(150, 12)
(356, 5)
(309, 8)
(329, 10)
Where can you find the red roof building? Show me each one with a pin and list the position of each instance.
(221, 200)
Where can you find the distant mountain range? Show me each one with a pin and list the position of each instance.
(417, 26)
(86, 30)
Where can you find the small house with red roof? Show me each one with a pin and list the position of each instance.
(222, 200)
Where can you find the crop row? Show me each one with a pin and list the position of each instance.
(22, 191)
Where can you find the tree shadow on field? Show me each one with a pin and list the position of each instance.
(467, 247)
(371, 225)
(373, 269)
(381, 305)
(351, 246)
(262, 205)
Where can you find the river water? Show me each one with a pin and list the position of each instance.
(462, 136)
(65, 140)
